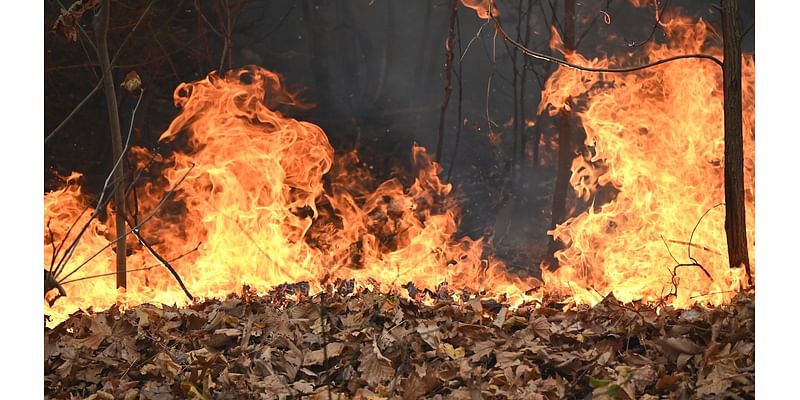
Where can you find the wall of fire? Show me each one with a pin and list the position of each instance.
(375, 71)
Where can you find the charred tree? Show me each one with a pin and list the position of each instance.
(101, 31)
(735, 225)
(564, 142)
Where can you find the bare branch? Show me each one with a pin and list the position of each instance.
(147, 268)
(541, 56)
(147, 218)
(100, 82)
(158, 257)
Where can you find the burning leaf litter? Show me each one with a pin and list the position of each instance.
(369, 345)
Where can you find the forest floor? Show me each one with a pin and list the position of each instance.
(367, 345)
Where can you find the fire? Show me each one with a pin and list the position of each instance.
(251, 191)
(657, 136)
(260, 199)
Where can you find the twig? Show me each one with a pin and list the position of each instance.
(280, 21)
(606, 18)
(86, 278)
(695, 245)
(147, 268)
(158, 257)
(121, 156)
(658, 22)
(68, 252)
(541, 56)
(149, 216)
(51, 283)
(689, 247)
(100, 82)
(489, 121)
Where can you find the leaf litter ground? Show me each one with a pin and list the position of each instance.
(368, 345)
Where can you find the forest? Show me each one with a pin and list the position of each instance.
(516, 199)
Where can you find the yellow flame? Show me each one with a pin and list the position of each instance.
(254, 197)
(659, 134)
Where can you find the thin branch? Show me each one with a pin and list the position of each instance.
(74, 111)
(147, 218)
(100, 82)
(659, 13)
(689, 247)
(695, 245)
(489, 121)
(86, 278)
(121, 156)
(203, 16)
(147, 268)
(469, 44)
(606, 18)
(71, 249)
(280, 22)
(541, 56)
(158, 257)
(448, 69)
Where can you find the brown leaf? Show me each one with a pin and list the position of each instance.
(541, 326)
(430, 334)
(101, 395)
(316, 357)
(68, 19)
(501, 317)
(222, 337)
(303, 387)
(679, 345)
(132, 81)
(374, 370)
(667, 381)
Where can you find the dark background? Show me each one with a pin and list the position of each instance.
(375, 71)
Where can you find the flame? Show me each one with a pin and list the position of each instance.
(657, 136)
(482, 8)
(254, 196)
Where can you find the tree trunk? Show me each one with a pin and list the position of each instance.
(735, 226)
(564, 143)
(448, 73)
(101, 30)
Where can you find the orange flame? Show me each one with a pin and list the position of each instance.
(658, 134)
(254, 197)
(482, 8)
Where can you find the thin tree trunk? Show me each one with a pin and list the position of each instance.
(448, 71)
(564, 143)
(735, 226)
(101, 29)
(522, 106)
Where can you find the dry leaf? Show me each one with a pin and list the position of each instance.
(374, 370)
(316, 357)
(67, 21)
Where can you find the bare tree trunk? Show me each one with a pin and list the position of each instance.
(564, 142)
(101, 30)
(523, 146)
(448, 71)
(735, 226)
